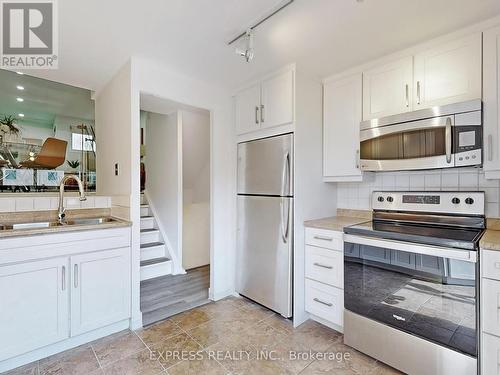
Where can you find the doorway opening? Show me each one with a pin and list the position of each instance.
(175, 207)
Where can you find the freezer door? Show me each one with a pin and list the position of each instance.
(264, 251)
(265, 166)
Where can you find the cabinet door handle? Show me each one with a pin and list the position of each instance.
(262, 113)
(357, 159)
(490, 147)
(418, 92)
(63, 278)
(257, 115)
(497, 265)
(75, 275)
(323, 238)
(323, 266)
(323, 302)
(407, 96)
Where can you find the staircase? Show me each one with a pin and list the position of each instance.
(154, 253)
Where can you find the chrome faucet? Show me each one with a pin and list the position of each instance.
(61, 209)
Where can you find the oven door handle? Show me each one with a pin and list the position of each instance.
(442, 252)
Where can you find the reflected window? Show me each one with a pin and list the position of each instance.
(81, 142)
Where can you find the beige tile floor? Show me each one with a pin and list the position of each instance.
(231, 336)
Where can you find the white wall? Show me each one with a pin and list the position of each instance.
(152, 78)
(164, 174)
(357, 195)
(117, 135)
(196, 188)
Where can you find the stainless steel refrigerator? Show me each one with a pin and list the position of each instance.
(265, 222)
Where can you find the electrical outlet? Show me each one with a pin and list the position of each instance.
(117, 170)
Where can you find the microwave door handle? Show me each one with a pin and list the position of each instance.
(448, 135)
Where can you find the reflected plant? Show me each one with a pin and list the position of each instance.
(73, 163)
(7, 125)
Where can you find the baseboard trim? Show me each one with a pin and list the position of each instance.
(325, 322)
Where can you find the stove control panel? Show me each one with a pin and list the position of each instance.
(465, 203)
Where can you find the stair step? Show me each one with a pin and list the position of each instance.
(147, 222)
(151, 244)
(149, 230)
(150, 262)
(145, 210)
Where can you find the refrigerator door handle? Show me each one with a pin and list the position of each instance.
(284, 218)
(285, 175)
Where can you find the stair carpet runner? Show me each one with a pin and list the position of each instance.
(154, 254)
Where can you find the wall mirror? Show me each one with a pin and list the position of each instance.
(47, 130)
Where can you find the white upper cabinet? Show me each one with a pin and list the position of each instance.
(449, 73)
(34, 300)
(267, 104)
(341, 117)
(100, 289)
(247, 109)
(387, 89)
(277, 100)
(491, 102)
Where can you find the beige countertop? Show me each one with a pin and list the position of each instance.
(50, 216)
(336, 223)
(490, 240)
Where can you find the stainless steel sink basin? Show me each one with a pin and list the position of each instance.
(52, 224)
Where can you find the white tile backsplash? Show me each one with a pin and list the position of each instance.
(33, 203)
(358, 195)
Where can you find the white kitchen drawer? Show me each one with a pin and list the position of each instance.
(328, 239)
(490, 264)
(324, 301)
(490, 306)
(325, 266)
(490, 354)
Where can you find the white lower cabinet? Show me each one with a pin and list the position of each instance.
(100, 293)
(34, 305)
(58, 289)
(490, 312)
(324, 271)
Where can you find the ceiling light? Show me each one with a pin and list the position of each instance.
(20, 100)
(20, 87)
(21, 114)
(247, 53)
(20, 73)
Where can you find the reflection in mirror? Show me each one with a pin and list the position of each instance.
(47, 130)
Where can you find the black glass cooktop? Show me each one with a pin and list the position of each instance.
(438, 235)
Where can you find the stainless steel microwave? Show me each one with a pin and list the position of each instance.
(438, 137)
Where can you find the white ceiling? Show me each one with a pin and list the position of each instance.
(324, 36)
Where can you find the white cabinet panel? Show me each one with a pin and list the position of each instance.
(34, 302)
(490, 364)
(325, 266)
(342, 114)
(491, 101)
(277, 100)
(326, 302)
(490, 264)
(387, 89)
(490, 306)
(325, 238)
(449, 73)
(247, 110)
(100, 293)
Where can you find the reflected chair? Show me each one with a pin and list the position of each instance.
(51, 156)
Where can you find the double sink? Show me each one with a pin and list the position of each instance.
(54, 224)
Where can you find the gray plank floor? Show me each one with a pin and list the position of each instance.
(166, 296)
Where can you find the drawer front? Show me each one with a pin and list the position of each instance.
(325, 266)
(490, 355)
(325, 301)
(490, 300)
(490, 264)
(328, 239)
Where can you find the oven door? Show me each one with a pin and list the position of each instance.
(412, 145)
(426, 291)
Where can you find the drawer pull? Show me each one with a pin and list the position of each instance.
(323, 302)
(497, 265)
(322, 266)
(323, 238)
